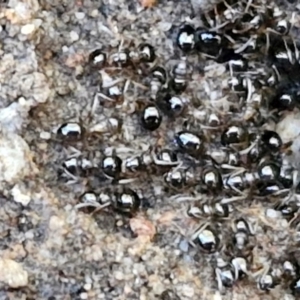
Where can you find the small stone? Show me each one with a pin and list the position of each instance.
(93, 253)
(142, 227)
(83, 296)
(44, 135)
(80, 15)
(119, 275)
(119, 223)
(74, 60)
(13, 274)
(87, 286)
(289, 127)
(188, 291)
(13, 116)
(184, 246)
(48, 54)
(20, 195)
(35, 86)
(271, 213)
(94, 13)
(294, 158)
(21, 12)
(15, 157)
(28, 29)
(15, 251)
(62, 90)
(203, 5)
(25, 103)
(217, 296)
(165, 26)
(148, 3)
(56, 223)
(43, 146)
(156, 284)
(74, 36)
(127, 289)
(65, 49)
(79, 70)
(29, 235)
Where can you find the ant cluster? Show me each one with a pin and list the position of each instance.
(218, 158)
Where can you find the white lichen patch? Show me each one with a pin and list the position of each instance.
(289, 127)
(13, 274)
(20, 194)
(12, 117)
(15, 157)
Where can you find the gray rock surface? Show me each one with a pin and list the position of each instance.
(49, 249)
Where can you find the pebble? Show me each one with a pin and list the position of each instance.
(119, 275)
(80, 15)
(188, 291)
(217, 296)
(165, 26)
(119, 223)
(56, 223)
(65, 49)
(94, 13)
(184, 246)
(295, 156)
(12, 117)
(289, 127)
(271, 213)
(28, 29)
(20, 195)
(87, 286)
(142, 227)
(83, 296)
(35, 86)
(16, 251)
(44, 135)
(74, 36)
(200, 5)
(15, 157)
(21, 12)
(94, 253)
(29, 235)
(12, 273)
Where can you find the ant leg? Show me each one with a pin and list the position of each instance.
(247, 150)
(161, 162)
(232, 199)
(221, 287)
(238, 170)
(183, 198)
(289, 52)
(74, 179)
(248, 6)
(243, 47)
(82, 205)
(267, 43)
(126, 181)
(100, 207)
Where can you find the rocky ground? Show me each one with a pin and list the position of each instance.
(49, 249)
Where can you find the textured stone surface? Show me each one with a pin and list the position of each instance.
(15, 157)
(13, 274)
(203, 5)
(50, 250)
